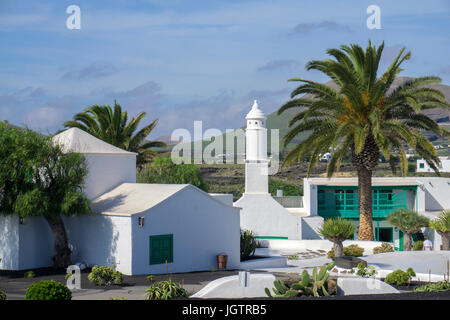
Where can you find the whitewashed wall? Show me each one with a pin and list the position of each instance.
(266, 217)
(101, 240)
(36, 245)
(107, 171)
(202, 228)
(9, 242)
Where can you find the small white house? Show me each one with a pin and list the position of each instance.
(422, 165)
(137, 227)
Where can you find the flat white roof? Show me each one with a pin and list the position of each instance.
(376, 181)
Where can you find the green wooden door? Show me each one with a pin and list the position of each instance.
(161, 249)
(400, 236)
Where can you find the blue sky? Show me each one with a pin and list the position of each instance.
(181, 61)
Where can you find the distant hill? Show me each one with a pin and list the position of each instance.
(275, 121)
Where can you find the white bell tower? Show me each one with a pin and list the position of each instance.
(256, 162)
(261, 213)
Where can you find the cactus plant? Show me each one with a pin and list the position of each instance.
(316, 285)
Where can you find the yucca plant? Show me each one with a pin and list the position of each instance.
(362, 117)
(442, 227)
(337, 230)
(409, 222)
(112, 126)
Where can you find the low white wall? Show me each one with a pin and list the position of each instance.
(228, 287)
(293, 245)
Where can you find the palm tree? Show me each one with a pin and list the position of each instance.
(111, 126)
(362, 117)
(442, 226)
(337, 230)
(409, 222)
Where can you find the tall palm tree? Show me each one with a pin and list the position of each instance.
(362, 117)
(111, 126)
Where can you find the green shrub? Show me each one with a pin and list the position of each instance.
(400, 277)
(352, 250)
(165, 290)
(2, 294)
(29, 274)
(48, 290)
(248, 244)
(434, 287)
(418, 245)
(385, 247)
(163, 170)
(365, 271)
(289, 190)
(293, 257)
(105, 276)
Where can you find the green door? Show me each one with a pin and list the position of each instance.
(161, 249)
(400, 237)
(384, 234)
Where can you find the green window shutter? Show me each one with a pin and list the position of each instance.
(161, 249)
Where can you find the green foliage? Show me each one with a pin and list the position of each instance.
(316, 285)
(150, 278)
(337, 229)
(165, 290)
(112, 126)
(293, 257)
(48, 290)
(365, 271)
(400, 277)
(442, 223)
(288, 189)
(163, 170)
(105, 276)
(29, 274)
(408, 221)
(385, 247)
(2, 294)
(418, 245)
(248, 244)
(38, 179)
(352, 250)
(434, 287)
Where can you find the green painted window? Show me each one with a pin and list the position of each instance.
(421, 165)
(161, 249)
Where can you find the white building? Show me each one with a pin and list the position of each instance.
(260, 213)
(137, 227)
(338, 197)
(422, 165)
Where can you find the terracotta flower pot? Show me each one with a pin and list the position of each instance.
(222, 261)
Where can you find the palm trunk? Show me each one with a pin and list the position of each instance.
(62, 258)
(365, 204)
(407, 241)
(445, 236)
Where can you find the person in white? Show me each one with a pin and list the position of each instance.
(427, 245)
